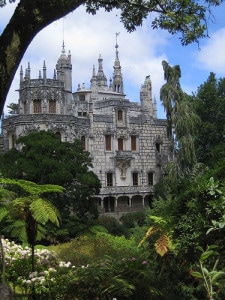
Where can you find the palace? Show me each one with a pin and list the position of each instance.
(127, 142)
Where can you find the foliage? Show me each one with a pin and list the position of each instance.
(44, 159)
(88, 248)
(13, 108)
(30, 207)
(181, 120)
(209, 105)
(127, 278)
(210, 278)
(130, 220)
(113, 226)
(162, 229)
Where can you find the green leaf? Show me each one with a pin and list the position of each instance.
(217, 275)
(206, 254)
(196, 274)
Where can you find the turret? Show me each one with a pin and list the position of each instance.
(64, 70)
(146, 96)
(101, 78)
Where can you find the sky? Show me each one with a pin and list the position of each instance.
(141, 52)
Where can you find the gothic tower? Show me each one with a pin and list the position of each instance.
(64, 74)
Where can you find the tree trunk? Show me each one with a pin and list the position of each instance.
(29, 18)
(6, 292)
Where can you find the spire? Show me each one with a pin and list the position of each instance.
(101, 78)
(44, 70)
(63, 48)
(117, 52)
(21, 74)
(28, 70)
(93, 72)
(93, 78)
(117, 75)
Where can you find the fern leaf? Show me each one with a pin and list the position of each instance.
(44, 211)
(162, 245)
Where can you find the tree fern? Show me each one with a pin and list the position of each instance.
(44, 211)
(163, 229)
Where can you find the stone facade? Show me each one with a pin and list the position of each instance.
(127, 142)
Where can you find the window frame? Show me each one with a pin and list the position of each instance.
(37, 106)
(120, 142)
(133, 142)
(135, 178)
(109, 179)
(108, 142)
(120, 115)
(150, 178)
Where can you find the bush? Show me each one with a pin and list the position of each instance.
(130, 220)
(113, 226)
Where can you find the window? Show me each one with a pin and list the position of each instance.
(120, 144)
(52, 107)
(117, 88)
(83, 142)
(82, 114)
(108, 144)
(133, 143)
(120, 115)
(150, 178)
(82, 97)
(109, 179)
(135, 178)
(158, 147)
(37, 106)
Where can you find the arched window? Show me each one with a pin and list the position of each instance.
(58, 135)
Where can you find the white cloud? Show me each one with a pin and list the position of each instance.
(87, 36)
(212, 57)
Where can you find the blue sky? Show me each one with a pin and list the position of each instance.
(141, 53)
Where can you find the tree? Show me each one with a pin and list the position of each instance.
(209, 105)
(14, 108)
(44, 159)
(32, 209)
(181, 119)
(186, 17)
